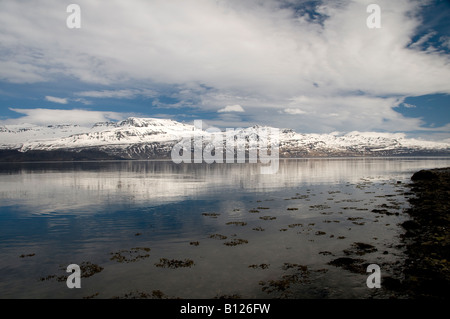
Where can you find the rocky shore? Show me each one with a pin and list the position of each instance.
(427, 237)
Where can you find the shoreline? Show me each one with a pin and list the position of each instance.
(427, 237)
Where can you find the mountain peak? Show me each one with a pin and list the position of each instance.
(148, 122)
(134, 121)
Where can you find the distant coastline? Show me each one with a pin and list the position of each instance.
(94, 154)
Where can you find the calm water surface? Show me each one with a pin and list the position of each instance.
(246, 234)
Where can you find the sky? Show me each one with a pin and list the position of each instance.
(312, 66)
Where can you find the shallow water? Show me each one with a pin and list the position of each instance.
(245, 234)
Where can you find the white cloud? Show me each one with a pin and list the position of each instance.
(82, 100)
(42, 116)
(21, 72)
(232, 108)
(334, 113)
(117, 94)
(445, 41)
(294, 111)
(56, 99)
(254, 51)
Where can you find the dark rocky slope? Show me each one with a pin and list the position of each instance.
(427, 236)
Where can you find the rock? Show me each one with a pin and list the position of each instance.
(426, 238)
(355, 265)
(423, 175)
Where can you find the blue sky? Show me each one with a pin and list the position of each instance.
(313, 66)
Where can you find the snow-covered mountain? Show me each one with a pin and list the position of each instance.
(150, 138)
(357, 144)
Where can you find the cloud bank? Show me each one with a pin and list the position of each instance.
(41, 116)
(313, 64)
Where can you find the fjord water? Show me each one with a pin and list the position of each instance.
(247, 234)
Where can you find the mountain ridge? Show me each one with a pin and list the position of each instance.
(152, 138)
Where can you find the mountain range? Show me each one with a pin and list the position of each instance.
(151, 138)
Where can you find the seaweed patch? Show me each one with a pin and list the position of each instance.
(174, 263)
(132, 255)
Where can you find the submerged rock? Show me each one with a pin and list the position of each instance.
(218, 236)
(360, 249)
(174, 263)
(355, 265)
(236, 241)
(132, 255)
(261, 266)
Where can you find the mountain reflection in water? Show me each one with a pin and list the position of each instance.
(240, 232)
